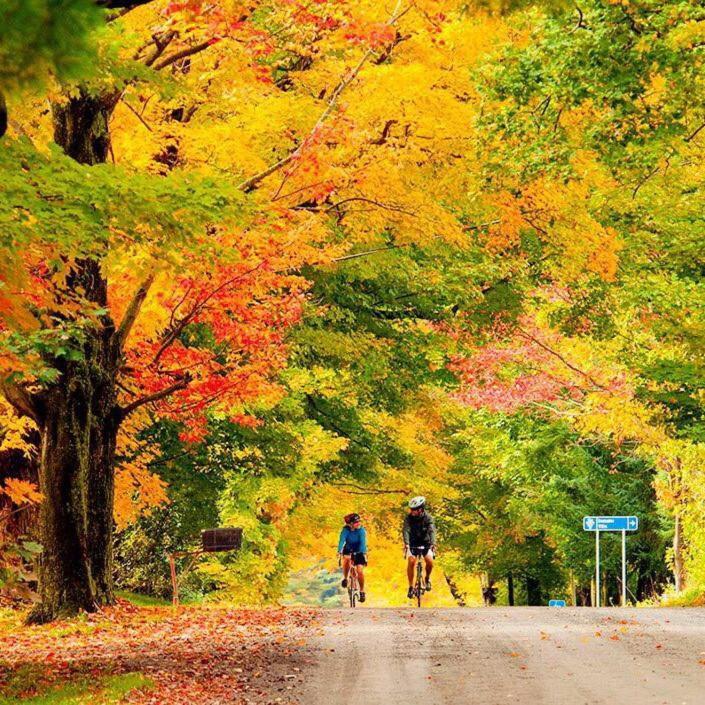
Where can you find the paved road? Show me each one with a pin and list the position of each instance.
(528, 655)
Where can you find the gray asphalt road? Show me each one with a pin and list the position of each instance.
(498, 656)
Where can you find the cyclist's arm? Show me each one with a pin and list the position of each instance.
(406, 531)
(342, 539)
(432, 531)
(363, 540)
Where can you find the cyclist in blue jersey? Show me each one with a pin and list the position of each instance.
(352, 546)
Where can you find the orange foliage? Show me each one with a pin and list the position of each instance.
(21, 492)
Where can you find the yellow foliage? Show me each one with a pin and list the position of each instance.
(137, 489)
(14, 430)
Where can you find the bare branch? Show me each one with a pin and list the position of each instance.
(161, 43)
(643, 181)
(385, 132)
(325, 208)
(157, 396)
(136, 114)
(694, 134)
(359, 489)
(133, 310)
(23, 402)
(122, 4)
(8, 515)
(355, 255)
(379, 204)
(3, 114)
(556, 354)
(481, 225)
(189, 51)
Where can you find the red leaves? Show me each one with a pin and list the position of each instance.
(372, 34)
(191, 655)
(224, 336)
(487, 384)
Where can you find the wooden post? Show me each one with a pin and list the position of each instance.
(510, 589)
(174, 582)
(573, 589)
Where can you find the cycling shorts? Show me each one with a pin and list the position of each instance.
(420, 551)
(357, 558)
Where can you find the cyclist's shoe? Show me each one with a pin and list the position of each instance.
(344, 582)
(410, 593)
(428, 584)
(362, 597)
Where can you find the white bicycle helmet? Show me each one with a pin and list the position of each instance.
(417, 503)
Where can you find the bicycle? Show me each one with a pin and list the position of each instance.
(420, 586)
(353, 582)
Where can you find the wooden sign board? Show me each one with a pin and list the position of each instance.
(224, 539)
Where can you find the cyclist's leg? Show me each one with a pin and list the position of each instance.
(428, 559)
(411, 569)
(359, 563)
(361, 577)
(346, 566)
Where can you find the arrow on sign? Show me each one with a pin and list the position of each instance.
(632, 522)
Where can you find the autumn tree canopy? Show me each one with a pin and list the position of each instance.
(262, 257)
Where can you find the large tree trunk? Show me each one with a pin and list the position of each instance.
(79, 426)
(76, 478)
(80, 417)
(533, 591)
(3, 114)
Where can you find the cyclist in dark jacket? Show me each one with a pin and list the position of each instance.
(419, 533)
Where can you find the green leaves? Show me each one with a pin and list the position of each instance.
(39, 38)
(52, 200)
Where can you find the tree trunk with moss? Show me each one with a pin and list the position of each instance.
(79, 416)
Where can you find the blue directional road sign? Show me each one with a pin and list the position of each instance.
(556, 603)
(610, 523)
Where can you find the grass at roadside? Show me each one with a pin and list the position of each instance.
(109, 690)
(693, 597)
(142, 600)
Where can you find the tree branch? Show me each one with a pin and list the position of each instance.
(136, 114)
(133, 310)
(567, 363)
(23, 402)
(355, 255)
(3, 114)
(161, 45)
(121, 4)
(365, 490)
(174, 329)
(694, 134)
(157, 396)
(189, 51)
